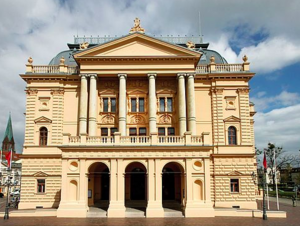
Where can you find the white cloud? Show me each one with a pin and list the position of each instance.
(280, 126)
(42, 28)
(285, 98)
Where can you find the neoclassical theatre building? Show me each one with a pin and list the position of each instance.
(145, 122)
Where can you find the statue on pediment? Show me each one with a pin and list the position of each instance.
(190, 45)
(137, 27)
(84, 45)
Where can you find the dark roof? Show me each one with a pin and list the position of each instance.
(9, 131)
(207, 53)
(68, 55)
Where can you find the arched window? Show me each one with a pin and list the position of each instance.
(232, 135)
(43, 136)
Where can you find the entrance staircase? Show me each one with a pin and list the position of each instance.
(135, 209)
(99, 210)
(172, 208)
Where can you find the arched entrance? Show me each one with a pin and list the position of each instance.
(98, 186)
(172, 185)
(136, 186)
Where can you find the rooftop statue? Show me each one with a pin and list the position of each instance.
(190, 45)
(137, 27)
(84, 45)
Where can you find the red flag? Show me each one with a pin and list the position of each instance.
(265, 161)
(8, 157)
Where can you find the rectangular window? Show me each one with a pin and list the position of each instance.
(133, 104)
(161, 131)
(169, 104)
(171, 131)
(142, 131)
(234, 185)
(105, 104)
(113, 130)
(141, 105)
(104, 132)
(162, 104)
(132, 132)
(113, 105)
(41, 186)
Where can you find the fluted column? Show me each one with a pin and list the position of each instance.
(83, 105)
(181, 104)
(152, 103)
(93, 105)
(191, 113)
(122, 104)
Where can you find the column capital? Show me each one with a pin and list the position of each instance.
(188, 75)
(95, 76)
(179, 75)
(152, 75)
(83, 76)
(122, 75)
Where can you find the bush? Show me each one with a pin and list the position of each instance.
(285, 194)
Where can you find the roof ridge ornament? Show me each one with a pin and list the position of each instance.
(137, 27)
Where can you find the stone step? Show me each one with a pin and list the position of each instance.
(172, 213)
(134, 213)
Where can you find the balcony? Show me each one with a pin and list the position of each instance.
(220, 68)
(118, 140)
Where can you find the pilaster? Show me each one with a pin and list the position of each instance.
(30, 115)
(245, 116)
(217, 116)
(58, 114)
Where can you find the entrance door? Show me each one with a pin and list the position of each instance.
(105, 186)
(137, 184)
(168, 184)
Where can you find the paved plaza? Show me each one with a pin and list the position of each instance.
(293, 218)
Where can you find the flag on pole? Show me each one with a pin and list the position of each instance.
(8, 157)
(265, 161)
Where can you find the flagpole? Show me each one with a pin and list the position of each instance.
(264, 187)
(268, 199)
(276, 180)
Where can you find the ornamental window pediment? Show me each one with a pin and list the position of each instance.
(40, 174)
(43, 120)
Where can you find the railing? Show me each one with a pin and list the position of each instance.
(74, 140)
(141, 140)
(118, 140)
(72, 70)
(224, 68)
(229, 67)
(175, 140)
(100, 140)
(51, 69)
(45, 69)
(170, 39)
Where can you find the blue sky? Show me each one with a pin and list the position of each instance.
(266, 31)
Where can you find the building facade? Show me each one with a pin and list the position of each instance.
(138, 121)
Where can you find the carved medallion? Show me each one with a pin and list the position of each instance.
(137, 119)
(165, 119)
(108, 119)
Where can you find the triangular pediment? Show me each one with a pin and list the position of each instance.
(43, 119)
(40, 174)
(137, 45)
(232, 119)
(235, 173)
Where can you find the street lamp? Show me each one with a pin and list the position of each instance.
(8, 183)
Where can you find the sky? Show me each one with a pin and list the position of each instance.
(267, 31)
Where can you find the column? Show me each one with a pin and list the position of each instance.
(83, 105)
(93, 105)
(154, 205)
(122, 104)
(116, 203)
(191, 103)
(152, 103)
(181, 104)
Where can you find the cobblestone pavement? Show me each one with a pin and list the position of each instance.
(293, 219)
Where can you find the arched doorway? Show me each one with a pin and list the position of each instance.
(172, 185)
(135, 185)
(98, 185)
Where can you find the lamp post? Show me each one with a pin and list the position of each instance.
(264, 195)
(8, 183)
